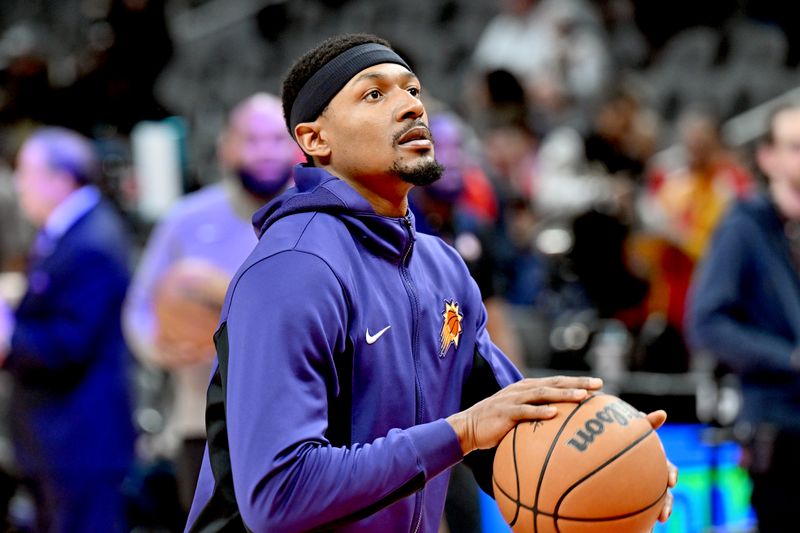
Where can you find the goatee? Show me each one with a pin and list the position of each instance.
(421, 174)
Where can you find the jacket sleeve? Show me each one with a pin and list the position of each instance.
(90, 289)
(288, 316)
(716, 318)
(491, 371)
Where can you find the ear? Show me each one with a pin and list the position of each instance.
(64, 182)
(312, 139)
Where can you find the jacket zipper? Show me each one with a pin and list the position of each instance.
(412, 296)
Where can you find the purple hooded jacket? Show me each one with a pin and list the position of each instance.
(345, 340)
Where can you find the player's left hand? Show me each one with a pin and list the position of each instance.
(657, 419)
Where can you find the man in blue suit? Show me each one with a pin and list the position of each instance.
(745, 311)
(70, 405)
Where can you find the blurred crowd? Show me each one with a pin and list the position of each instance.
(586, 173)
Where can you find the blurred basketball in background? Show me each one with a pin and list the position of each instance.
(188, 302)
(598, 466)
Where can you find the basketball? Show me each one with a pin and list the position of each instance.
(597, 466)
(187, 304)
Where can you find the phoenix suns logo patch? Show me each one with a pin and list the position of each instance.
(451, 327)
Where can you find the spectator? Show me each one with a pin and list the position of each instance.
(71, 427)
(623, 135)
(199, 245)
(555, 47)
(511, 154)
(691, 198)
(745, 311)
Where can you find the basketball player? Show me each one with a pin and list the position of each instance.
(353, 365)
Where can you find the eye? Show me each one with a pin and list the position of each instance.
(413, 91)
(373, 95)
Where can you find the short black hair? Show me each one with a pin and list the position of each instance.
(315, 59)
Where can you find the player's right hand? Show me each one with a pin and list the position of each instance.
(171, 353)
(484, 424)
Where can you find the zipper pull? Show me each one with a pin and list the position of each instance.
(410, 246)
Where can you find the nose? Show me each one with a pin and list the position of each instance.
(410, 108)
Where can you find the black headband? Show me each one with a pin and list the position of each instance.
(320, 89)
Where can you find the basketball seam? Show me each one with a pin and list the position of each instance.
(585, 519)
(535, 509)
(613, 458)
(507, 495)
(610, 460)
(609, 518)
(516, 476)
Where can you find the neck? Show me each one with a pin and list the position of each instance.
(41, 221)
(244, 203)
(388, 195)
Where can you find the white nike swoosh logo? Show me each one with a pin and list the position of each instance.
(372, 338)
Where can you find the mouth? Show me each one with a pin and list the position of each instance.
(418, 137)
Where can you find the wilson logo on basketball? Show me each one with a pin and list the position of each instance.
(451, 327)
(615, 413)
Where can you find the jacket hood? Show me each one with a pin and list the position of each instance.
(317, 190)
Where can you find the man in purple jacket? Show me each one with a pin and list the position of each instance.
(353, 365)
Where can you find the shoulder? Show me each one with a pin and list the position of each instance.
(98, 242)
(287, 266)
(286, 278)
(746, 229)
(753, 214)
(201, 217)
(314, 232)
(310, 233)
(201, 203)
(101, 226)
